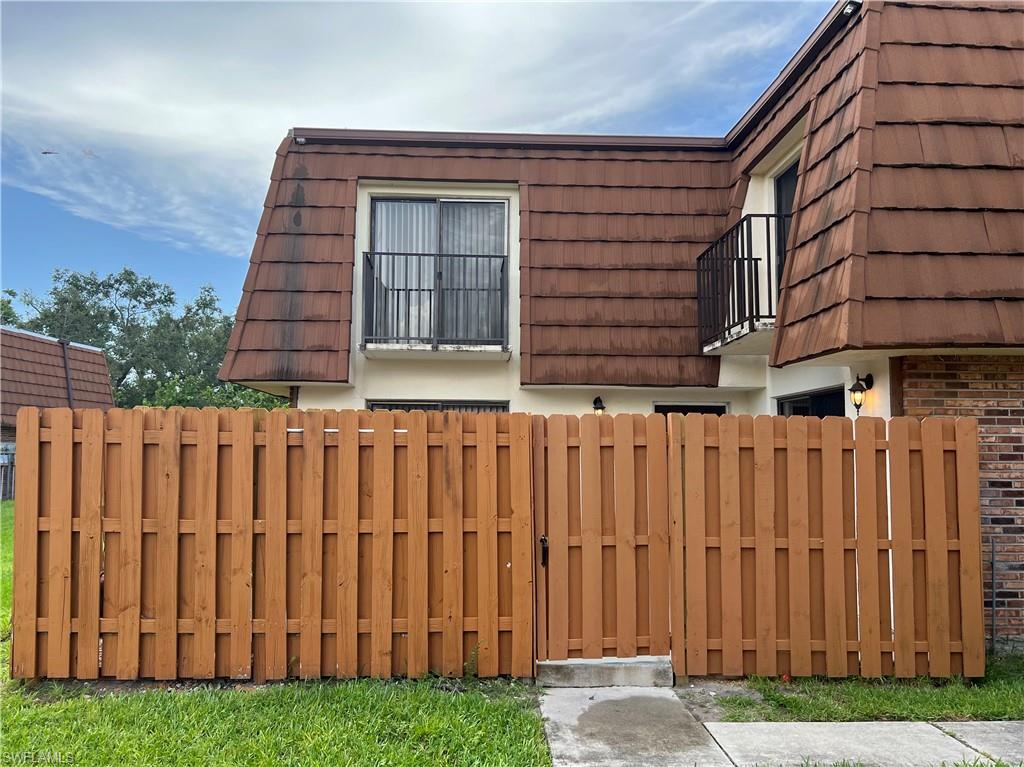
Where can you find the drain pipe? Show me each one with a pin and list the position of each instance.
(67, 372)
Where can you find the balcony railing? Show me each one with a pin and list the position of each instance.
(738, 278)
(435, 299)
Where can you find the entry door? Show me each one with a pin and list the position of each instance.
(602, 519)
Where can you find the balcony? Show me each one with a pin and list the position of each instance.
(738, 285)
(431, 302)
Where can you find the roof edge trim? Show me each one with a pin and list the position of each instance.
(42, 337)
(501, 140)
(834, 20)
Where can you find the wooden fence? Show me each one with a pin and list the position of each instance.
(805, 547)
(193, 544)
(217, 543)
(784, 555)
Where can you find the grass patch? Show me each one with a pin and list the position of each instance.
(361, 722)
(354, 723)
(1000, 695)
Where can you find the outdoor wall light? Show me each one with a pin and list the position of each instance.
(860, 386)
(598, 406)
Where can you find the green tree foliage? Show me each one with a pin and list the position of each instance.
(8, 315)
(158, 354)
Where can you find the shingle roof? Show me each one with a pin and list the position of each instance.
(32, 373)
(909, 206)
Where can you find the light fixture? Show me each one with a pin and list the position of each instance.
(860, 386)
(598, 406)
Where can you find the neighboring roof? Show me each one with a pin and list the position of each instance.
(912, 114)
(37, 370)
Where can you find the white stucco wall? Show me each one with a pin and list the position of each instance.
(746, 383)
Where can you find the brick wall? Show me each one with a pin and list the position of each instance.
(992, 389)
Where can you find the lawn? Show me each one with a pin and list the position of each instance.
(1000, 695)
(352, 723)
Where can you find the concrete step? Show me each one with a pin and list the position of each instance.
(643, 671)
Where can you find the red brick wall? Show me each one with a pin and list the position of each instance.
(992, 389)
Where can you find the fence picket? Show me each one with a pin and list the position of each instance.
(658, 551)
(418, 552)
(90, 544)
(26, 544)
(732, 582)
(936, 551)
(58, 633)
(558, 538)
(241, 543)
(799, 560)
(833, 545)
(206, 575)
(677, 587)
(167, 545)
(487, 541)
(590, 528)
(625, 537)
(130, 574)
(902, 548)
(523, 654)
(764, 543)
(311, 589)
(969, 533)
(867, 548)
(451, 441)
(276, 577)
(696, 553)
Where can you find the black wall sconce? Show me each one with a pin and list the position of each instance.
(598, 406)
(857, 391)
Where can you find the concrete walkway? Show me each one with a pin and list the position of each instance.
(620, 726)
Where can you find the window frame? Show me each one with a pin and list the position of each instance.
(506, 256)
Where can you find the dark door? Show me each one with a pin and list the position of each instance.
(818, 404)
(785, 194)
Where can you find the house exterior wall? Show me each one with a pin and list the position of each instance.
(990, 388)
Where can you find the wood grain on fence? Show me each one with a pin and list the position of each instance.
(194, 544)
(809, 547)
(191, 544)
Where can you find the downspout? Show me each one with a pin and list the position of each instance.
(67, 372)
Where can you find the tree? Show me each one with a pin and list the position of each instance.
(8, 315)
(157, 355)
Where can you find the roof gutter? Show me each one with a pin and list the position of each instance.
(500, 140)
(835, 20)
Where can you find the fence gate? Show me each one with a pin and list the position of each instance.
(602, 519)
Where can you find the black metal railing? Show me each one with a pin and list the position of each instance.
(738, 277)
(436, 299)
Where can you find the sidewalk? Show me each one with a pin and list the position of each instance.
(625, 726)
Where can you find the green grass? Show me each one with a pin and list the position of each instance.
(351, 723)
(1000, 695)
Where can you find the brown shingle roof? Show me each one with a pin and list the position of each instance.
(914, 116)
(32, 373)
(922, 244)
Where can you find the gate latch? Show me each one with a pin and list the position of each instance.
(543, 551)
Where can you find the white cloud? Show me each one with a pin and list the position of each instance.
(166, 116)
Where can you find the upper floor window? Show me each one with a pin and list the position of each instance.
(437, 272)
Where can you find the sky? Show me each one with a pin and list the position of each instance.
(142, 134)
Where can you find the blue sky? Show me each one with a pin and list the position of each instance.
(164, 117)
